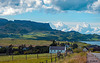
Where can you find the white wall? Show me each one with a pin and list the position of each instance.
(55, 51)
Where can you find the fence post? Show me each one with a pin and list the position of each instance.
(51, 57)
(55, 59)
(12, 57)
(46, 61)
(62, 56)
(37, 56)
(26, 56)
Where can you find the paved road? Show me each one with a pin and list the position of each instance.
(97, 55)
(91, 58)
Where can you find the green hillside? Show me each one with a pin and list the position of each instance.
(54, 35)
(25, 29)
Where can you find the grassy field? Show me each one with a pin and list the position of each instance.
(80, 44)
(74, 58)
(30, 58)
(16, 42)
(70, 58)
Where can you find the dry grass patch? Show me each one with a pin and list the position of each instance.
(74, 58)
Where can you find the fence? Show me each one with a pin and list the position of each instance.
(43, 58)
(54, 59)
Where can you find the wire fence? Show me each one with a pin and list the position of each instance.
(47, 58)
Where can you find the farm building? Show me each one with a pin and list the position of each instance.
(56, 49)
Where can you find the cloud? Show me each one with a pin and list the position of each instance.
(74, 5)
(96, 6)
(11, 7)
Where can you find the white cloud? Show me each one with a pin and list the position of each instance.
(96, 6)
(80, 27)
(10, 7)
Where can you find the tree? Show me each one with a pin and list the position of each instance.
(3, 50)
(30, 47)
(68, 43)
(62, 44)
(53, 43)
(20, 48)
(58, 43)
(9, 49)
(74, 46)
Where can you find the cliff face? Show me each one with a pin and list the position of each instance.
(22, 26)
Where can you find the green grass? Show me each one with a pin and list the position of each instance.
(80, 44)
(95, 39)
(34, 35)
(17, 42)
(29, 36)
(30, 58)
(42, 57)
(70, 58)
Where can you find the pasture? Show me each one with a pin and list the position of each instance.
(17, 42)
(70, 58)
(28, 58)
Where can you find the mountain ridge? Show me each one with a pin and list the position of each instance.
(25, 29)
(21, 26)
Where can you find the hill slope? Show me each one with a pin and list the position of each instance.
(22, 26)
(22, 29)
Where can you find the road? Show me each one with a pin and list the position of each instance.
(97, 55)
(93, 58)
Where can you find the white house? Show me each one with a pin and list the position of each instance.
(56, 49)
(85, 50)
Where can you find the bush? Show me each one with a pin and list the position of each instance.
(75, 46)
(3, 50)
(26, 52)
(91, 49)
(16, 53)
(77, 50)
(96, 51)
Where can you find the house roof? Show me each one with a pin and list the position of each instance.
(57, 48)
(92, 46)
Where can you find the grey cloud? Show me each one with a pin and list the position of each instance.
(11, 7)
(77, 5)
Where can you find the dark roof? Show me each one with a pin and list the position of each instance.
(57, 48)
(92, 46)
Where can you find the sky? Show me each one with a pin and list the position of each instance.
(68, 11)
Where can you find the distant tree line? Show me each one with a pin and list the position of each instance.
(22, 49)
